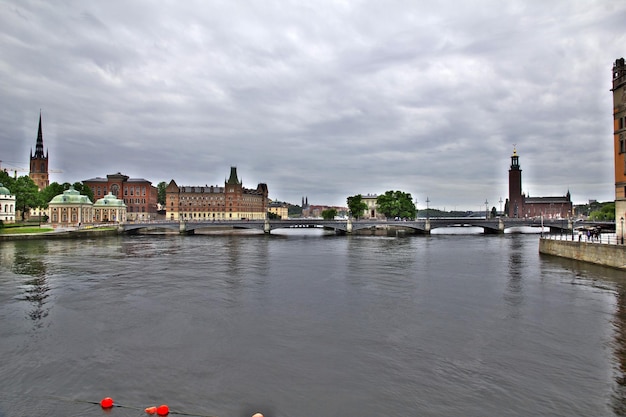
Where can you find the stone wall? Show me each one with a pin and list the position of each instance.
(613, 256)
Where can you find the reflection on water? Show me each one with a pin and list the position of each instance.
(619, 397)
(27, 260)
(298, 324)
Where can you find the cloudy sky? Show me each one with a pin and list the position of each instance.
(323, 99)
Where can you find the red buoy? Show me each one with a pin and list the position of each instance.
(163, 410)
(106, 402)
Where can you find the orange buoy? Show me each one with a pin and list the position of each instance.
(151, 410)
(106, 402)
(258, 415)
(163, 410)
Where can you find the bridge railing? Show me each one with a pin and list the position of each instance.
(602, 238)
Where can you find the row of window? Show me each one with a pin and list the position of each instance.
(134, 201)
(100, 191)
(8, 208)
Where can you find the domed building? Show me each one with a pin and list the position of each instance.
(7, 205)
(109, 209)
(70, 209)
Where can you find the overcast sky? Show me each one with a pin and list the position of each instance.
(323, 99)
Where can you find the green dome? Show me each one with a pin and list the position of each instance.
(4, 190)
(109, 200)
(70, 196)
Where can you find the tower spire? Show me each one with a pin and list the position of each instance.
(39, 145)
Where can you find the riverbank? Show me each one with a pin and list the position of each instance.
(60, 234)
(610, 255)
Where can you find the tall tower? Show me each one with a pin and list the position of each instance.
(39, 163)
(619, 142)
(516, 199)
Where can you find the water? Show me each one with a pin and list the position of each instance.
(306, 324)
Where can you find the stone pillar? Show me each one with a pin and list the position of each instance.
(266, 226)
(349, 225)
(427, 226)
(182, 227)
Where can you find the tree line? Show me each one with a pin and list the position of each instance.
(28, 196)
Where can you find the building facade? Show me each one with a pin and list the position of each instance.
(39, 162)
(372, 207)
(520, 205)
(619, 142)
(70, 209)
(279, 209)
(230, 202)
(138, 194)
(109, 209)
(7, 205)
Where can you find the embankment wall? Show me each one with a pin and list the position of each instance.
(613, 256)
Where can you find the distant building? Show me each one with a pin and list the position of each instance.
(619, 142)
(279, 209)
(7, 205)
(109, 209)
(70, 209)
(521, 206)
(138, 194)
(39, 162)
(372, 207)
(213, 202)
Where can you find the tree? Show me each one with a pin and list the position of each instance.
(83, 189)
(494, 212)
(161, 195)
(329, 214)
(396, 204)
(604, 212)
(6, 180)
(356, 206)
(51, 191)
(26, 194)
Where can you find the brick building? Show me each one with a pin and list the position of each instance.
(619, 142)
(214, 202)
(138, 194)
(523, 206)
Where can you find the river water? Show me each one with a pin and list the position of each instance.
(304, 324)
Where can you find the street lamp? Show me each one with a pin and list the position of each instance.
(427, 207)
(622, 221)
(486, 209)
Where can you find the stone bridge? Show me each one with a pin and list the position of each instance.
(424, 226)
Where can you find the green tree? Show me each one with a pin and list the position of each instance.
(83, 189)
(6, 180)
(356, 206)
(51, 191)
(396, 204)
(494, 212)
(26, 194)
(603, 212)
(161, 195)
(329, 214)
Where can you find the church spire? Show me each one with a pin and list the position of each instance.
(39, 145)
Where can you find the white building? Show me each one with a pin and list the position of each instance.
(7, 205)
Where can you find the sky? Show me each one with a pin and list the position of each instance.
(321, 99)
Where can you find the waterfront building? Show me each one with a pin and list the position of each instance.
(372, 207)
(109, 209)
(213, 202)
(619, 142)
(522, 206)
(39, 162)
(138, 194)
(70, 209)
(279, 209)
(7, 205)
